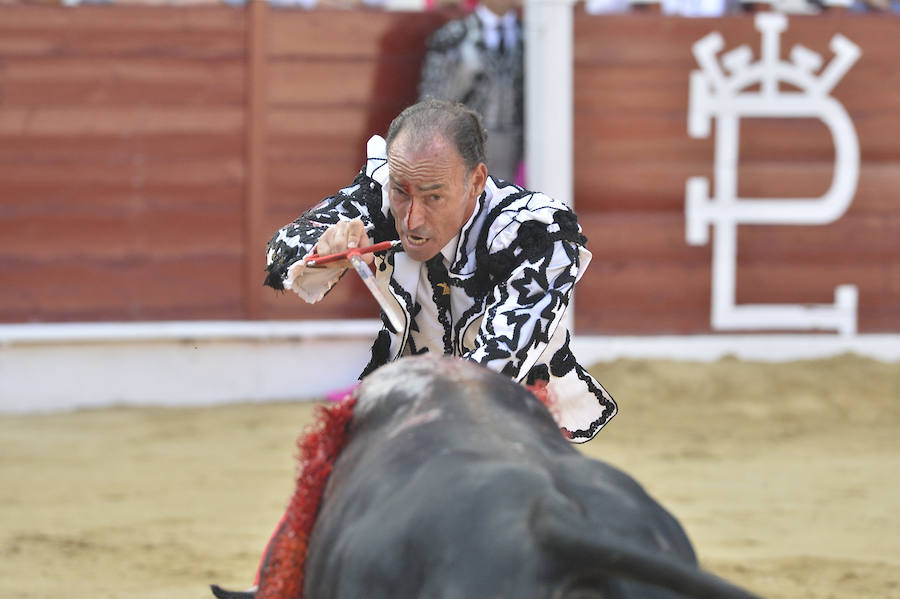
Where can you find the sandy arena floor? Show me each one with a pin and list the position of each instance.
(786, 477)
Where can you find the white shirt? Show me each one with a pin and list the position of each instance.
(431, 337)
(493, 24)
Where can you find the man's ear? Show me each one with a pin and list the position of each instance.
(479, 179)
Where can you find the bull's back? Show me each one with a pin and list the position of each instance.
(456, 483)
(404, 520)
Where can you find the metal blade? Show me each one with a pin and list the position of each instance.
(362, 269)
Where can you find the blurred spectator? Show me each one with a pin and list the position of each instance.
(682, 8)
(697, 8)
(297, 3)
(795, 7)
(465, 5)
(603, 7)
(478, 60)
(875, 6)
(328, 3)
(145, 2)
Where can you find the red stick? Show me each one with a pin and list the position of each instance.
(316, 260)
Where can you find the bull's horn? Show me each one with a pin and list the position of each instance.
(225, 594)
(595, 551)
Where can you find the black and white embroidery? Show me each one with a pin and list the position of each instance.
(440, 285)
(362, 199)
(517, 262)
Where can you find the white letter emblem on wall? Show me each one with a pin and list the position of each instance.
(715, 95)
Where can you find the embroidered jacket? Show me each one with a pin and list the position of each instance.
(516, 263)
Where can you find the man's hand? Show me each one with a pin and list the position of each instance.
(345, 235)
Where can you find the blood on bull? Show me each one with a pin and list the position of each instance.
(452, 481)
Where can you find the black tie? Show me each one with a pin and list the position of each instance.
(501, 47)
(440, 292)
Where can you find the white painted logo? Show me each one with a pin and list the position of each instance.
(713, 95)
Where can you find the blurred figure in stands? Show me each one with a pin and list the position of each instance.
(463, 5)
(875, 6)
(477, 60)
(678, 8)
(309, 4)
(327, 3)
(605, 7)
(698, 8)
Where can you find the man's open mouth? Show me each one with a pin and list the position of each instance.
(416, 240)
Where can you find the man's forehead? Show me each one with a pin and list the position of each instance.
(429, 147)
(427, 167)
(429, 185)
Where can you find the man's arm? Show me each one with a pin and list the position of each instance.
(354, 215)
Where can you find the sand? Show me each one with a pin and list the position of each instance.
(786, 477)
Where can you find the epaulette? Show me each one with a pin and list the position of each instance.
(448, 36)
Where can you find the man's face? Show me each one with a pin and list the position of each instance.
(430, 195)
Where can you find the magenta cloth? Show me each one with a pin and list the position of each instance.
(340, 394)
(520, 175)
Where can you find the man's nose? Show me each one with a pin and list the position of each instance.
(415, 218)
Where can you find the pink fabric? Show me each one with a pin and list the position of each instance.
(340, 394)
(520, 175)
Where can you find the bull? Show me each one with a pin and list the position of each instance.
(455, 483)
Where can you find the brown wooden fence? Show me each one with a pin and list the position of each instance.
(147, 154)
(633, 156)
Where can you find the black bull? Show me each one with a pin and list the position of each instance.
(455, 482)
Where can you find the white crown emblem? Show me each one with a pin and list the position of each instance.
(753, 90)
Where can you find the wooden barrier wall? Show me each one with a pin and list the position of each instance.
(334, 80)
(633, 155)
(122, 163)
(147, 154)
